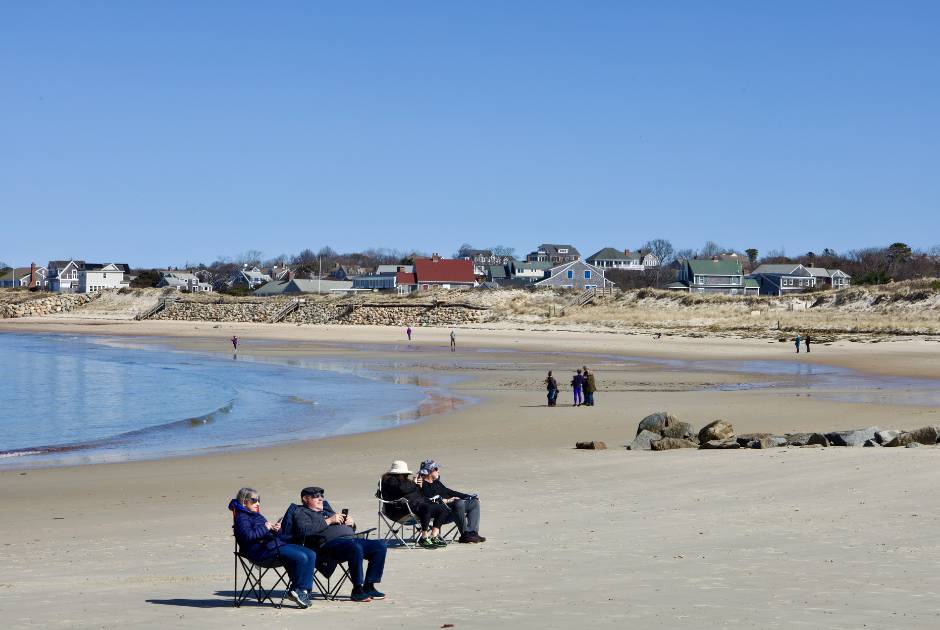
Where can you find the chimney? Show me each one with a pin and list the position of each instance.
(435, 257)
(32, 276)
(290, 275)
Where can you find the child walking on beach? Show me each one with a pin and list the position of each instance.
(576, 382)
(235, 342)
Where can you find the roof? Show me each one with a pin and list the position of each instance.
(552, 248)
(498, 272)
(297, 285)
(20, 272)
(394, 269)
(609, 253)
(99, 266)
(404, 277)
(444, 270)
(715, 267)
(275, 287)
(751, 283)
(540, 265)
(783, 269)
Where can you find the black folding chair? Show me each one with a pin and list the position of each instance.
(327, 569)
(254, 574)
(401, 529)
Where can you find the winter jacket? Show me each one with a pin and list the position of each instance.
(577, 381)
(303, 526)
(551, 383)
(394, 488)
(590, 385)
(436, 488)
(255, 541)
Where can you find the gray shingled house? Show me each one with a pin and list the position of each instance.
(714, 276)
(575, 275)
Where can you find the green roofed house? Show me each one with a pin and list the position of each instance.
(714, 276)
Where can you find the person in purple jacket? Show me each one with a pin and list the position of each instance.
(259, 540)
(577, 381)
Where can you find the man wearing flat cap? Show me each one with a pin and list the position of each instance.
(316, 525)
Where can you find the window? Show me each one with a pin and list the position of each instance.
(587, 274)
(570, 274)
(563, 250)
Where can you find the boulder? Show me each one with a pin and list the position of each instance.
(717, 430)
(852, 437)
(913, 445)
(656, 422)
(924, 435)
(644, 440)
(591, 446)
(682, 430)
(883, 437)
(805, 439)
(770, 441)
(745, 439)
(668, 444)
(720, 444)
(872, 443)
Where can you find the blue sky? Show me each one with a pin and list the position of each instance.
(159, 133)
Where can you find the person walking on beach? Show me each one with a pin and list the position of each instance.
(235, 342)
(408, 332)
(552, 385)
(590, 386)
(806, 343)
(797, 342)
(576, 382)
(453, 341)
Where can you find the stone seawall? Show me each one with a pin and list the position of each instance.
(416, 314)
(47, 305)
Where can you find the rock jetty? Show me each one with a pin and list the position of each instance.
(49, 305)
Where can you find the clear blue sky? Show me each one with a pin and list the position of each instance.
(159, 133)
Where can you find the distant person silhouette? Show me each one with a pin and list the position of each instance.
(235, 342)
(408, 332)
(453, 341)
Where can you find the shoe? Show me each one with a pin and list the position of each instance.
(465, 538)
(477, 538)
(425, 543)
(299, 597)
(438, 541)
(373, 592)
(360, 595)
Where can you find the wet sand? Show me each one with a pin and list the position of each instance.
(822, 538)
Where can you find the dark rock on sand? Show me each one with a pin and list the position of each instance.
(805, 439)
(852, 437)
(745, 439)
(883, 437)
(924, 435)
(770, 441)
(668, 444)
(656, 422)
(644, 440)
(717, 430)
(872, 443)
(591, 446)
(720, 444)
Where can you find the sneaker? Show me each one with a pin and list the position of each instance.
(373, 592)
(425, 543)
(440, 542)
(360, 595)
(299, 597)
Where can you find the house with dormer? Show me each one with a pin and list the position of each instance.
(554, 253)
(249, 278)
(714, 276)
(781, 279)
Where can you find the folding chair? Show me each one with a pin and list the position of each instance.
(326, 567)
(254, 573)
(397, 526)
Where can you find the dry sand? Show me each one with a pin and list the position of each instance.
(809, 538)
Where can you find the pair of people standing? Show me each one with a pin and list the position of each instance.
(583, 386)
(805, 340)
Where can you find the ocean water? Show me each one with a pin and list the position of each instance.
(71, 400)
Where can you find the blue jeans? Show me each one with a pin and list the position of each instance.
(353, 551)
(300, 563)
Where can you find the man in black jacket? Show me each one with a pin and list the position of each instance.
(465, 508)
(316, 525)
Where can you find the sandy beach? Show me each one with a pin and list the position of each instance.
(792, 537)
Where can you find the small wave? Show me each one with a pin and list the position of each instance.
(121, 438)
(301, 401)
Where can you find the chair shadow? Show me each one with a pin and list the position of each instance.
(223, 599)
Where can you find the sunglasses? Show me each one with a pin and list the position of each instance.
(254, 500)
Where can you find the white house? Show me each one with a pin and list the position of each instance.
(183, 281)
(97, 277)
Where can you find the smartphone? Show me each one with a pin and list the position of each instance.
(345, 513)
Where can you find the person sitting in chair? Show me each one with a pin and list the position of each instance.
(397, 484)
(261, 541)
(317, 526)
(464, 508)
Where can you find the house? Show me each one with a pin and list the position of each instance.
(530, 271)
(555, 254)
(381, 269)
(298, 285)
(278, 272)
(498, 273)
(375, 282)
(830, 278)
(249, 278)
(484, 258)
(100, 276)
(576, 274)
(63, 275)
(714, 276)
(782, 279)
(182, 281)
(33, 277)
(626, 260)
(437, 273)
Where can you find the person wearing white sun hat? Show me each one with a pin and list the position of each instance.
(397, 484)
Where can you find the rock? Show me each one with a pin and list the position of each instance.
(656, 422)
(852, 437)
(805, 439)
(717, 430)
(913, 445)
(745, 439)
(591, 446)
(770, 441)
(720, 444)
(925, 435)
(883, 437)
(643, 441)
(668, 444)
(872, 443)
(682, 430)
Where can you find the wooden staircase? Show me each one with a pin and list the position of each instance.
(156, 308)
(287, 310)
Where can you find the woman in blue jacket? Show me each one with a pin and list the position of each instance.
(259, 540)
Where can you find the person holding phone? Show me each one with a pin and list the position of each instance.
(316, 525)
(464, 508)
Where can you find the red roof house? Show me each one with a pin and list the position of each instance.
(440, 272)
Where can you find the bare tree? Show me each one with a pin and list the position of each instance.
(711, 248)
(464, 251)
(662, 249)
(251, 257)
(502, 250)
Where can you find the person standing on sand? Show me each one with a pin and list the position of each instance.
(453, 341)
(590, 386)
(806, 343)
(235, 342)
(797, 342)
(576, 382)
(408, 332)
(552, 389)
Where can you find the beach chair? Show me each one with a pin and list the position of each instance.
(254, 575)
(327, 569)
(398, 525)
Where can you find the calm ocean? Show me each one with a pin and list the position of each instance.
(72, 400)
